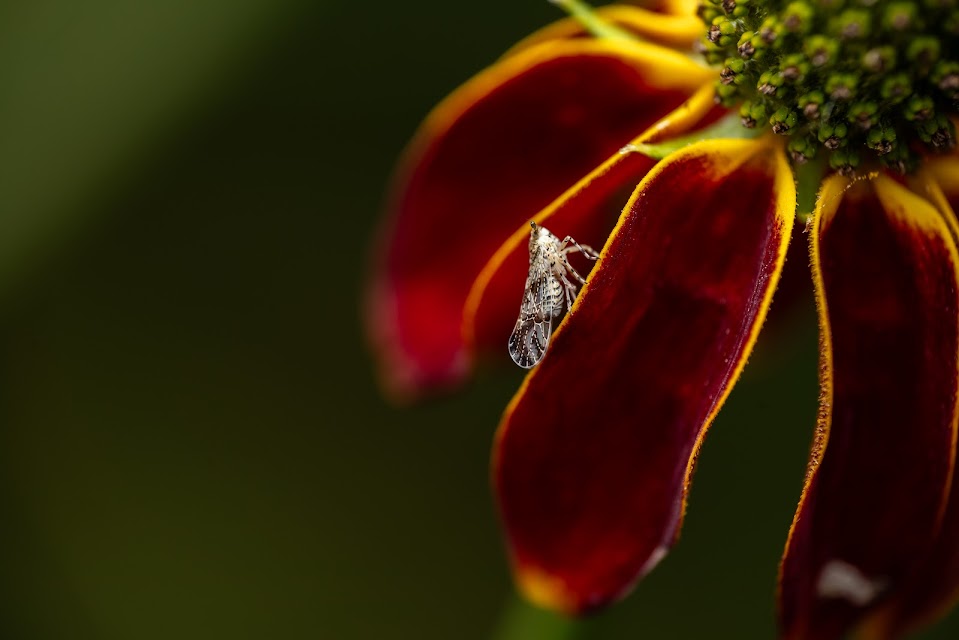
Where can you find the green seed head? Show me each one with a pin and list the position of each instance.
(857, 81)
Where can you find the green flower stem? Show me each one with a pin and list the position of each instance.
(593, 23)
(522, 621)
(728, 127)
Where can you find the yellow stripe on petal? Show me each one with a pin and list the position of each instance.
(679, 7)
(909, 208)
(686, 117)
(929, 183)
(945, 170)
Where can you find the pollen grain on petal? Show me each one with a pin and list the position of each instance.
(839, 579)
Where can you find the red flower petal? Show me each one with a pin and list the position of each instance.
(934, 588)
(594, 454)
(494, 153)
(588, 211)
(881, 465)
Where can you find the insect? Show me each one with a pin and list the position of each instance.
(548, 288)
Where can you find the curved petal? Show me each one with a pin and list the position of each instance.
(934, 588)
(594, 454)
(492, 154)
(678, 31)
(945, 171)
(886, 271)
(587, 211)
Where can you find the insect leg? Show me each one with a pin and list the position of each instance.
(589, 252)
(570, 269)
(585, 249)
(570, 292)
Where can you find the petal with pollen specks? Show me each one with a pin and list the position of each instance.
(594, 455)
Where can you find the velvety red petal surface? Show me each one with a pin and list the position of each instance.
(594, 454)
(587, 211)
(493, 154)
(885, 268)
(934, 588)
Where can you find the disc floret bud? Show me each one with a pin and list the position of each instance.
(859, 82)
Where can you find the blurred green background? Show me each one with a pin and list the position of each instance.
(191, 441)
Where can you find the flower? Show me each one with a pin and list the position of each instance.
(847, 104)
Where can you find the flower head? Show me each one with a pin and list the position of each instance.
(678, 143)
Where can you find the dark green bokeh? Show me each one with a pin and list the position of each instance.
(192, 444)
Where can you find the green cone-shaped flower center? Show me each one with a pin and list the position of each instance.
(853, 79)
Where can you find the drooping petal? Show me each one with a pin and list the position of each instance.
(885, 268)
(490, 156)
(933, 589)
(594, 455)
(587, 211)
(673, 30)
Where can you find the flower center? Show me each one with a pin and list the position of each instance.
(857, 80)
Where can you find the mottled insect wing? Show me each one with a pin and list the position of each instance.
(528, 342)
(530, 337)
